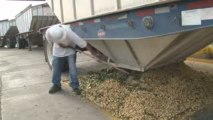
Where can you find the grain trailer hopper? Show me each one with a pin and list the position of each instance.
(8, 30)
(30, 20)
(140, 34)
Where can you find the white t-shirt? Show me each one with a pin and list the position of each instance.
(70, 36)
(62, 52)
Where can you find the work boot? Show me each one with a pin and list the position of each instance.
(54, 89)
(77, 91)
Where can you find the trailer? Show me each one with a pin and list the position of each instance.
(139, 34)
(11, 34)
(8, 30)
(4, 26)
(29, 21)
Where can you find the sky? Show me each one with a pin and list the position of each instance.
(9, 9)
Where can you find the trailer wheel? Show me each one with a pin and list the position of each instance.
(29, 44)
(11, 43)
(25, 43)
(3, 43)
(20, 43)
(40, 45)
(44, 50)
(48, 53)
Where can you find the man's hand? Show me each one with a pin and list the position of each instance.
(91, 49)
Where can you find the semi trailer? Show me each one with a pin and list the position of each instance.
(29, 21)
(139, 34)
(8, 30)
(4, 26)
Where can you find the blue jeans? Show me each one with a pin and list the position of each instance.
(58, 65)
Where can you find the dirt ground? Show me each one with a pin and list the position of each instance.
(174, 92)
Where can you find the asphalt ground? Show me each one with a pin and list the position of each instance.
(26, 79)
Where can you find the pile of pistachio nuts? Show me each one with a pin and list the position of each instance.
(171, 92)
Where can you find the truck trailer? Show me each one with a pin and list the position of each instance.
(139, 34)
(29, 21)
(8, 30)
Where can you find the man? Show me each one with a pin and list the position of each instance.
(64, 40)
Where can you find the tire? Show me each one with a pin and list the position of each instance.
(18, 44)
(40, 45)
(21, 43)
(11, 43)
(25, 43)
(29, 44)
(44, 50)
(3, 43)
(48, 47)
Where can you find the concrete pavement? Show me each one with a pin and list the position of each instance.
(25, 83)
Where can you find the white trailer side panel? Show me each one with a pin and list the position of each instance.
(68, 9)
(35, 17)
(4, 26)
(12, 23)
(0, 29)
(24, 19)
(105, 6)
(42, 10)
(130, 3)
(83, 8)
(135, 3)
(49, 2)
(47, 11)
(57, 9)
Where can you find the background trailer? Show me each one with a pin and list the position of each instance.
(29, 21)
(8, 30)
